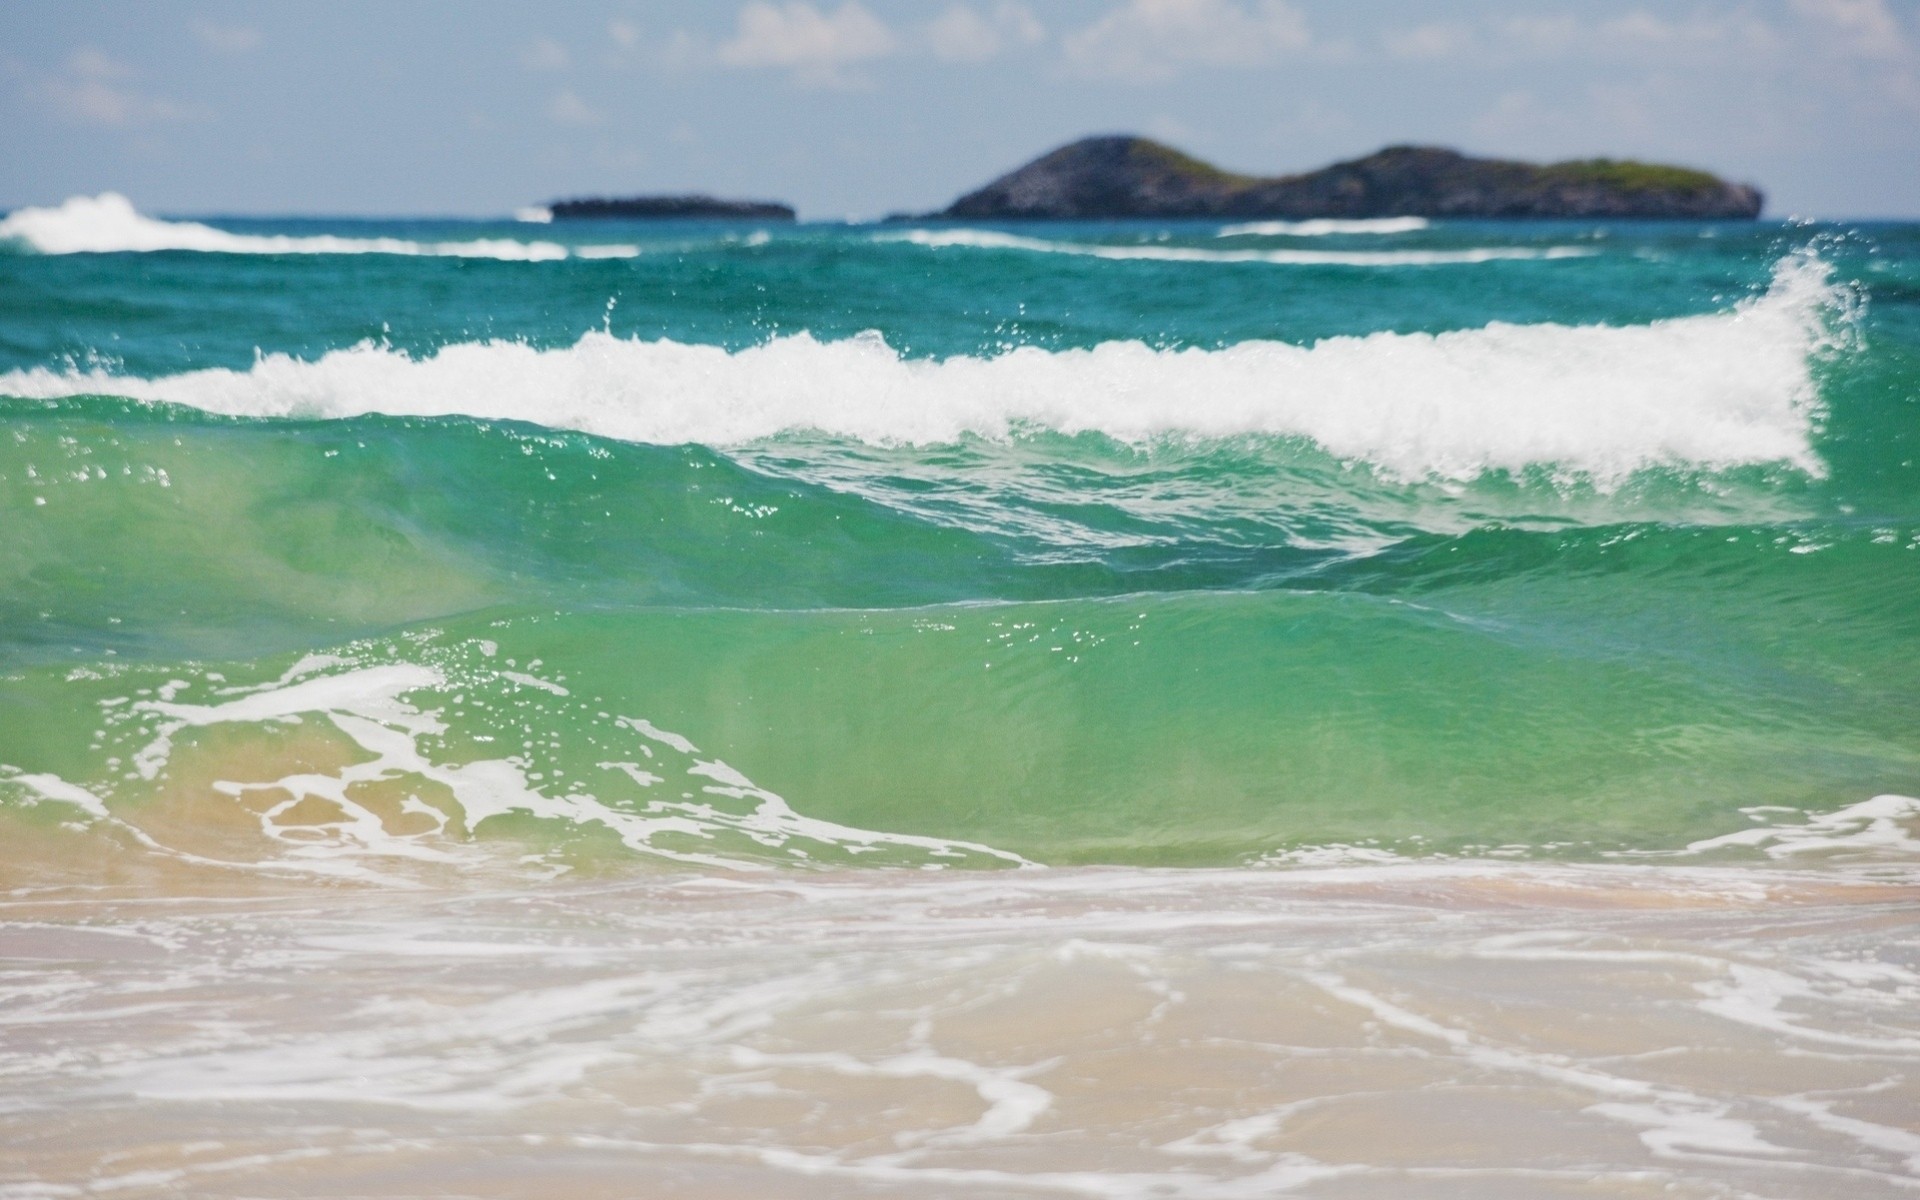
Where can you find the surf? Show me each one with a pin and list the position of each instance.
(1599, 403)
(109, 224)
(987, 239)
(1326, 226)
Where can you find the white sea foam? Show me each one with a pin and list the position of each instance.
(52, 787)
(108, 223)
(1672, 1121)
(1706, 392)
(1323, 226)
(988, 239)
(1111, 1033)
(382, 710)
(1880, 825)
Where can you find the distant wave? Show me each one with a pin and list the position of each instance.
(1323, 226)
(1711, 392)
(988, 239)
(109, 223)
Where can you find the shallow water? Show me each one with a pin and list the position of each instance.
(1417, 1030)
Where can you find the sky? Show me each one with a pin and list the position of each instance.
(857, 108)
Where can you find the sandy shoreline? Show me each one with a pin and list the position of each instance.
(1449, 1029)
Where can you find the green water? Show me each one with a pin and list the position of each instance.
(1027, 555)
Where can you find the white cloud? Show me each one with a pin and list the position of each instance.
(1861, 46)
(1701, 82)
(91, 89)
(1736, 32)
(816, 47)
(1636, 35)
(625, 34)
(88, 63)
(683, 51)
(567, 108)
(226, 39)
(961, 34)
(1442, 39)
(1542, 35)
(1147, 41)
(659, 50)
(545, 54)
(1865, 27)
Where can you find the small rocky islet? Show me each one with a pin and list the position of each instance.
(659, 208)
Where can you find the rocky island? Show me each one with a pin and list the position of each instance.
(1124, 176)
(670, 207)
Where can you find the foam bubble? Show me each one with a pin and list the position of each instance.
(1878, 825)
(1324, 226)
(721, 817)
(109, 223)
(1672, 1122)
(1114, 1033)
(987, 239)
(1708, 392)
(52, 787)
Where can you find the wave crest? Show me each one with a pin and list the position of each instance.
(1325, 226)
(1708, 392)
(109, 223)
(666, 799)
(989, 239)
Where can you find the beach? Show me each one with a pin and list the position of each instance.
(1128, 709)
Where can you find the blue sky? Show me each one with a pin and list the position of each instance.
(860, 107)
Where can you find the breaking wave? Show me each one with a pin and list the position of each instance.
(988, 239)
(1325, 226)
(1708, 392)
(658, 793)
(109, 223)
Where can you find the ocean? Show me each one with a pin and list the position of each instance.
(1343, 709)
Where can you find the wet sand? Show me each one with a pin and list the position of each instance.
(1484, 1030)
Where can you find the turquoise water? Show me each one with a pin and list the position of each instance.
(1146, 544)
(522, 710)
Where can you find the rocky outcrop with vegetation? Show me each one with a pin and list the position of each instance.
(1123, 176)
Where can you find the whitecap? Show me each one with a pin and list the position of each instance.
(109, 223)
(1710, 392)
(988, 239)
(1324, 226)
